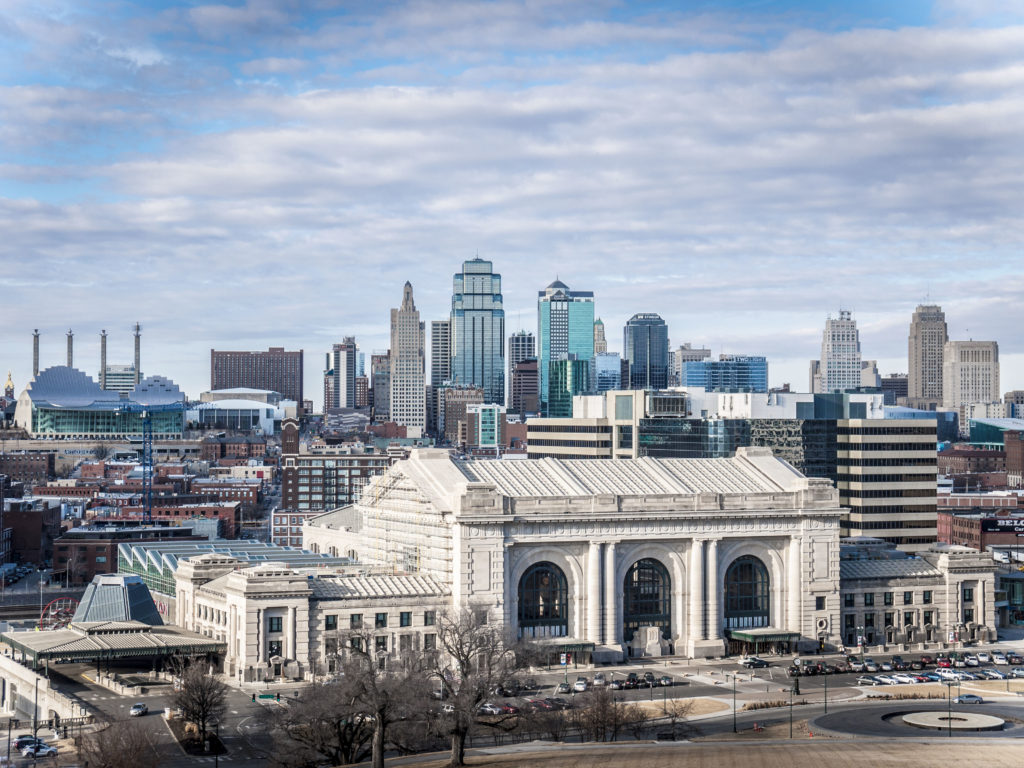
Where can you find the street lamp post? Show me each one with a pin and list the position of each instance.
(826, 693)
(791, 712)
(734, 730)
(949, 707)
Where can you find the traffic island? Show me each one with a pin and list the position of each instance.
(187, 736)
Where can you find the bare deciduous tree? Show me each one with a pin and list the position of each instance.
(600, 717)
(385, 687)
(201, 697)
(119, 745)
(323, 723)
(677, 711)
(473, 658)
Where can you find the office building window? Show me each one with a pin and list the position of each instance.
(869, 598)
(886, 598)
(355, 621)
(908, 618)
(405, 619)
(381, 643)
(275, 624)
(848, 600)
(908, 598)
(330, 623)
(381, 621)
(968, 615)
(926, 597)
(819, 603)
(429, 617)
(429, 642)
(968, 595)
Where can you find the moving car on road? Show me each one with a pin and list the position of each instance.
(968, 698)
(753, 662)
(138, 710)
(39, 750)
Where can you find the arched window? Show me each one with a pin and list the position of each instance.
(543, 602)
(747, 597)
(646, 599)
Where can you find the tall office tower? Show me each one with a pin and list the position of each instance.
(565, 327)
(645, 347)
(328, 382)
(408, 367)
(730, 373)
(361, 364)
(478, 330)
(343, 364)
(520, 347)
(440, 352)
(525, 396)
(606, 372)
(839, 367)
(686, 353)
(440, 368)
(600, 342)
(380, 375)
(970, 374)
(925, 344)
(569, 376)
(275, 369)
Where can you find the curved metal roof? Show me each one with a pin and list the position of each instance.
(63, 387)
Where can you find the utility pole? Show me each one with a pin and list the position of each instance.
(791, 712)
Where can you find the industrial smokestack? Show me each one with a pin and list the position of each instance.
(138, 336)
(103, 359)
(71, 349)
(35, 353)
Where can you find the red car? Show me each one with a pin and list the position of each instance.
(509, 709)
(944, 663)
(927, 659)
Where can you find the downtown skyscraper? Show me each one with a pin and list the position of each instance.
(408, 367)
(925, 342)
(565, 330)
(839, 368)
(478, 330)
(645, 349)
(521, 347)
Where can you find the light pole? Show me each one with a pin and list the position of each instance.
(734, 730)
(790, 712)
(826, 693)
(949, 707)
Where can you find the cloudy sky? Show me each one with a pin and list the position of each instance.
(263, 173)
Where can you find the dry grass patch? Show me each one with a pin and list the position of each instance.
(700, 706)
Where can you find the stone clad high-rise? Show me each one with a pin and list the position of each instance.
(925, 342)
(839, 368)
(408, 367)
(478, 330)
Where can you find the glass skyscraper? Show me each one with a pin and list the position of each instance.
(730, 373)
(645, 347)
(478, 330)
(565, 326)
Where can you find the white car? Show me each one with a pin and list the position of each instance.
(599, 679)
(972, 661)
(984, 658)
(580, 686)
(885, 679)
(902, 678)
(999, 658)
(489, 709)
(995, 674)
(948, 674)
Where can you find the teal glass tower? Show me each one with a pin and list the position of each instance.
(565, 327)
(478, 330)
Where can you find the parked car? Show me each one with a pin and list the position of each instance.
(509, 709)
(753, 662)
(866, 680)
(886, 666)
(665, 681)
(540, 704)
(26, 739)
(1017, 672)
(557, 703)
(999, 658)
(887, 680)
(856, 665)
(138, 709)
(870, 666)
(1014, 658)
(489, 708)
(968, 698)
(581, 685)
(563, 688)
(931, 676)
(903, 677)
(793, 671)
(983, 657)
(649, 679)
(615, 685)
(927, 659)
(995, 674)
(948, 674)
(944, 663)
(599, 679)
(964, 675)
(972, 661)
(39, 750)
(917, 664)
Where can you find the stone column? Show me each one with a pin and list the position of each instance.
(260, 645)
(696, 629)
(293, 649)
(714, 623)
(793, 587)
(594, 593)
(612, 624)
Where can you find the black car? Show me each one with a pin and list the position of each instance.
(753, 662)
(26, 740)
(649, 680)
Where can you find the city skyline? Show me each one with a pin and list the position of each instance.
(248, 176)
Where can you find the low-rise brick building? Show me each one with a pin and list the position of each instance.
(27, 466)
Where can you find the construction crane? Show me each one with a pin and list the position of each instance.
(146, 414)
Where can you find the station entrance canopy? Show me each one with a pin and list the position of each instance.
(109, 641)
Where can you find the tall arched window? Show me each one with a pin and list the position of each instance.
(543, 602)
(646, 599)
(747, 596)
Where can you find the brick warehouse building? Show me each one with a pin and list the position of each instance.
(275, 370)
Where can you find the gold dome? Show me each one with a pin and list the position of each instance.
(9, 384)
